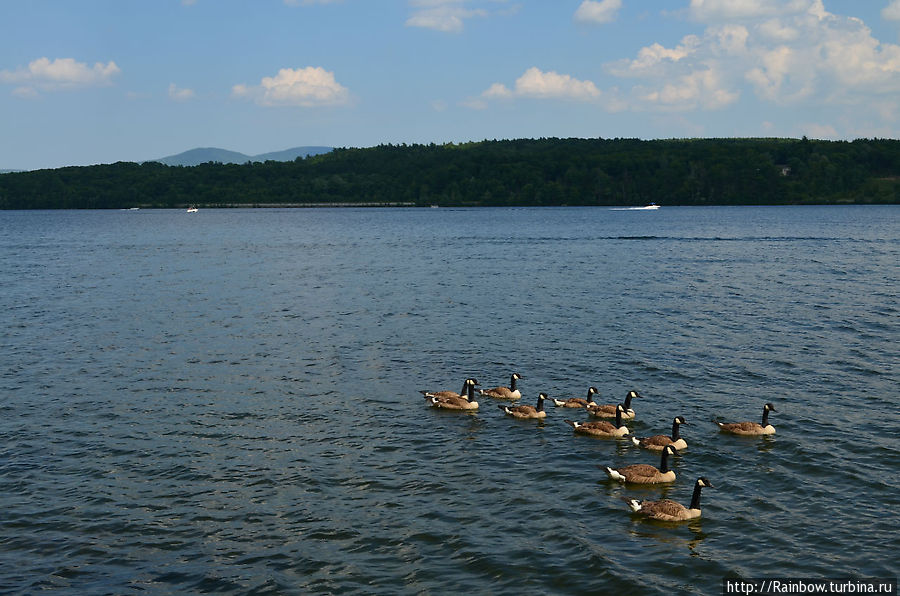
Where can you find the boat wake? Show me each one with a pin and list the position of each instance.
(650, 207)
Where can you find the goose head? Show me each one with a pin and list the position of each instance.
(620, 410)
(630, 396)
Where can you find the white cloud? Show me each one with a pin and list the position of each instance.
(304, 87)
(497, 91)
(783, 52)
(731, 10)
(601, 12)
(178, 94)
(25, 92)
(773, 67)
(535, 83)
(62, 73)
(701, 88)
(891, 12)
(442, 15)
(651, 57)
(778, 31)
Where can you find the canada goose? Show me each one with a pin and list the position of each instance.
(504, 392)
(602, 428)
(750, 428)
(609, 410)
(462, 393)
(527, 411)
(657, 442)
(666, 510)
(457, 403)
(644, 473)
(576, 402)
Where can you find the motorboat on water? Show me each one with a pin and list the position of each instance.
(650, 207)
(192, 209)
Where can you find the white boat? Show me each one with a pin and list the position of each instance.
(192, 209)
(650, 207)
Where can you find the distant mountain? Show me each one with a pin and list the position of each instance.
(291, 154)
(201, 155)
(9, 171)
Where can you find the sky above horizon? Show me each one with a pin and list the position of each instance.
(100, 81)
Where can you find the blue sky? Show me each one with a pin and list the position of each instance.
(99, 81)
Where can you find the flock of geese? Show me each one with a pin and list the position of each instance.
(666, 445)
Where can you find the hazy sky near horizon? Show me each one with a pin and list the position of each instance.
(99, 81)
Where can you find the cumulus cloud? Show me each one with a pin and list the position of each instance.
(179, 94)
(62, 73)
(783, 52)
(448, 16)
(891, 12)
(700, 88)
(303, 87)
(537, 84)
(601, 12)
(655, 58)
(732, 10)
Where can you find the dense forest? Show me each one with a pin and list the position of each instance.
(517, 172)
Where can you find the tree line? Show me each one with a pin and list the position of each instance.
(525, 172)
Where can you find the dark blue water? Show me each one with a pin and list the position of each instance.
(228, 401)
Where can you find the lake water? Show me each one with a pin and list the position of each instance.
(227, 401)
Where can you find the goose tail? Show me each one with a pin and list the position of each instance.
(634, 504)
(614, 474)
(636, 441)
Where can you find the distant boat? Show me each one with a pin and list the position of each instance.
(192, 209)
(650, 207)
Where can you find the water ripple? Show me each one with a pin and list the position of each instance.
(233, 407)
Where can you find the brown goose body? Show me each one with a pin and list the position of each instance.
(457, 403)
(609, 410)
(750, 428)
(601, 428)
(667, 510)
(577, 402)
(444, 394)
(510, 392)
(644, 473)
(659, 442)
(524, 412)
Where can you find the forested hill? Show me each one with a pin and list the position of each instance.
(518, 172)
